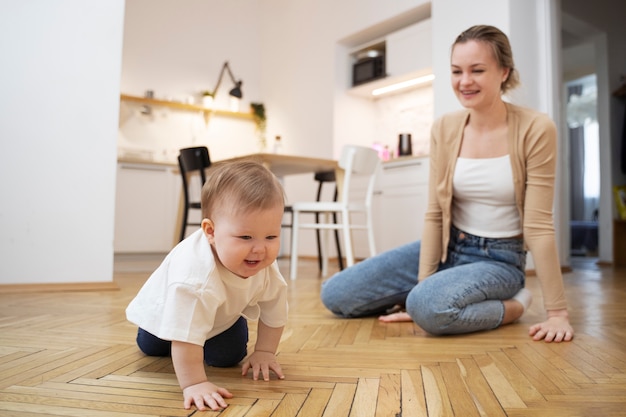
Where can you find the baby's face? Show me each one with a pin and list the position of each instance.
(248, 242)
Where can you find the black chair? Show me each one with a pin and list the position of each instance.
(322, 178)
(192, 163)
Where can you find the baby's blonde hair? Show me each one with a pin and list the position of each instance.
(240, 187)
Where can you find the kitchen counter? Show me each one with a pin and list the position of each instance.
(404, 161)
(138, 158)
(144, 161)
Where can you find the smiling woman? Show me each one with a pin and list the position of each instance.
(476, 231)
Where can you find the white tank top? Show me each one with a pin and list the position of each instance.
(483, 201)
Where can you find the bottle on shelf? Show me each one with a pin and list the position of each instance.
(386, 153)
(278, 145)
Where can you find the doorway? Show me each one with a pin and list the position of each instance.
(583, 136)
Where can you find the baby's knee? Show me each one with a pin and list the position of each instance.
(151, 345)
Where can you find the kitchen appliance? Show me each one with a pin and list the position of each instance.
(370, 66)
(405, 146)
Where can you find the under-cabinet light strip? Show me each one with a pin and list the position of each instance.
(404, 84)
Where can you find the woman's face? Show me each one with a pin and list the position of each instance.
(476, 76)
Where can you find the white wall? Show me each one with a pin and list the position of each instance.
(177, 49)
(59, 107)
(284, 51)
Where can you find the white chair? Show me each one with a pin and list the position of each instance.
(322, 177)
(359, 166)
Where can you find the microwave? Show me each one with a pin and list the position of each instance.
(368, 69)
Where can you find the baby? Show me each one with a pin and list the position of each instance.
(195, 306)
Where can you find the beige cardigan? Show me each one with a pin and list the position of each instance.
(532, 149)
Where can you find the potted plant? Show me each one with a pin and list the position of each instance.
(207, 98)
(258, 111)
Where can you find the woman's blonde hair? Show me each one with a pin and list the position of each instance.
(500, 46)
(240, 187)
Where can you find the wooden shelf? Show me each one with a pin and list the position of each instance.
(187, 107)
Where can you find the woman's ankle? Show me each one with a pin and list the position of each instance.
(515, 307)
(513, 310)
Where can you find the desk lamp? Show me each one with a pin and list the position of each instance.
(235, 92)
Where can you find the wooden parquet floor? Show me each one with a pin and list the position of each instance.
(73, 354)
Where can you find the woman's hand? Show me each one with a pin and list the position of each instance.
(555, 329)
(205, 393)
(261, 362)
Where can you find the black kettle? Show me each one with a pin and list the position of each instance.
(405, 147)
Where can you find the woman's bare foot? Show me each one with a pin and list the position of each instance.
(395, 317)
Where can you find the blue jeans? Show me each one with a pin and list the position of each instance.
(464, 295)
(223, 350)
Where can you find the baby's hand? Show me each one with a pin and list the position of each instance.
(205, 393)
(262, 361)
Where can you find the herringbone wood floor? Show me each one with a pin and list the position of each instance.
(73, 354)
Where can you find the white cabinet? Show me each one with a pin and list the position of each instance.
(409, 49)
(146, 207)
(400, 203)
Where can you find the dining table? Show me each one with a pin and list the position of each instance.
(282, 165)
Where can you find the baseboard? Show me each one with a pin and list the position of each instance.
(61, 287)
(533, 273)
(137, 262)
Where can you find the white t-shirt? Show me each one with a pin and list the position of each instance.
(483, 202)
(191, 298)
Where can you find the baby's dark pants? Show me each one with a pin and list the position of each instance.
(223, 350)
